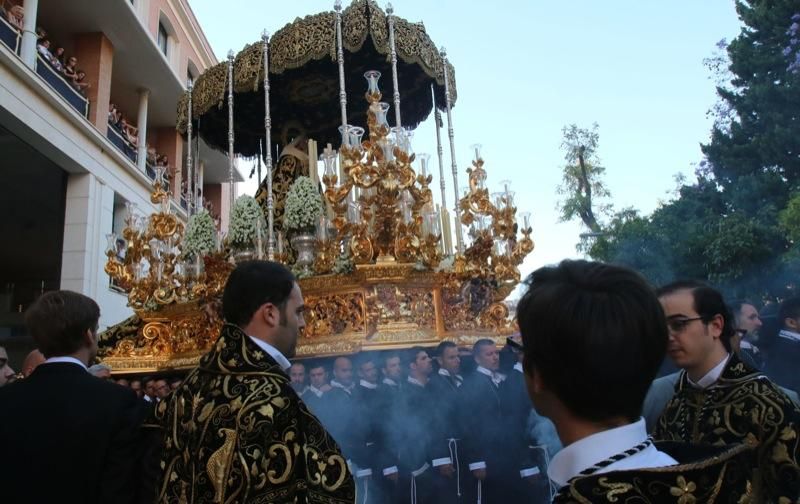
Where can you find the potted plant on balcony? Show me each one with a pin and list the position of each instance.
(247, 229)
(199, 241)
(303, 209)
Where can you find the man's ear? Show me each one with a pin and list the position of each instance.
(716, 325)
(89, 337)
(791, 323)
(270, 314)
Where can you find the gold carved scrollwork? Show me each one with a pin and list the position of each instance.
(334, 314)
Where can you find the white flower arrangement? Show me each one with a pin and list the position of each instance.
(246, 219)
(303, 205)
(200, 237)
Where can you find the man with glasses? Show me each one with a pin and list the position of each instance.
(719, 400)
(593, 338)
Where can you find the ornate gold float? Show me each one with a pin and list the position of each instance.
(386, 273)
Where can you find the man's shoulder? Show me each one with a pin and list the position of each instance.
(702, 473)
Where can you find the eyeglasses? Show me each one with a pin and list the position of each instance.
(677, 325)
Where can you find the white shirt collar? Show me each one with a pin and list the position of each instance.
(276, 354)
(712, 376)
(366, 384)
(518, 367)
(586, 452)
(446, 373)
(790, 335)
(414, 381)
(314, 390)
(336, 384)
(496, 377)
(72, 360)
(390, 382)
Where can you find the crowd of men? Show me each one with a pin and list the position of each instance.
(247, 425)
(412, 416)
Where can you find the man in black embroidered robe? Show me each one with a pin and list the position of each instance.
(593, 337)
(235, 430)
(719, 399)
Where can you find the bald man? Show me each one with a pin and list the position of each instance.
(31, 362)
(338, 405)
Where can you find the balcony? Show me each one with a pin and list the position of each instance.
(121, 143)
(10, 36)
(61, 86)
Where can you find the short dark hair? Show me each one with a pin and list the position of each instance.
(476, 348)
(390, 355)
(790, 308)
(412, 354)
(58, 321)
(365, 358)
(444, 345)
(708, 303)
(735, 307)
(252, 284)
(596, 335)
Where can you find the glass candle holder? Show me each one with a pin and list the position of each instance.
(476, 148)
(373, 77)
(424, 159)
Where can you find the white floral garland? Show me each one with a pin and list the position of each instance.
(303, 205)
(245, 218)
(200, 237)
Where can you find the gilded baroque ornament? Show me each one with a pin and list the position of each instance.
(385, 266)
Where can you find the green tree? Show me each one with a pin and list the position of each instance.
(582, 183)
(738, 225)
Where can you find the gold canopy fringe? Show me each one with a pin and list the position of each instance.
(313, 38)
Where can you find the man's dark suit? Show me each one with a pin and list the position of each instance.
(68, 437)
(482, 427)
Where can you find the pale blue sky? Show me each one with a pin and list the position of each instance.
(527, 68)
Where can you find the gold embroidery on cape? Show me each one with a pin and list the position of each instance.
(219, 463)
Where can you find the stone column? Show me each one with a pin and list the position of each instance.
(141, 123)
(95, 55)
(28, 48)
(88, 215)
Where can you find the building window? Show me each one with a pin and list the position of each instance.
(162, 38)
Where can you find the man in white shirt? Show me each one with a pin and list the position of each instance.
(73, 438)
(593, 338)
(297, 373)
(318, 379)
(483, 427)
(719, 399)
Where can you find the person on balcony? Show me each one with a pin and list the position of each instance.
(43, 46)
(114, 115)
(131, 132)
(79, 83)
(69, 68)
(15, 17)
(57, 59)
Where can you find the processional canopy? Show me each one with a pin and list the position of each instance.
(380, 264)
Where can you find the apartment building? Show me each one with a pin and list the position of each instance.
(69, 160)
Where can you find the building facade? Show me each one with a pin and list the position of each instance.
(80, 138)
